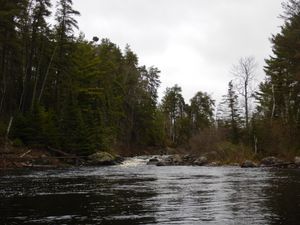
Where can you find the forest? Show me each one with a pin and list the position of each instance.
(61, 90)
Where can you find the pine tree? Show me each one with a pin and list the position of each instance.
(235, 120)
(201, 111)
(279, 94)
(173, 106)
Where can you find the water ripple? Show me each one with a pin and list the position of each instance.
(134, 193)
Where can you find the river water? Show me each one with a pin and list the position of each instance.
(134, 193)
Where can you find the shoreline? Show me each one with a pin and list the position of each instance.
(46, 158)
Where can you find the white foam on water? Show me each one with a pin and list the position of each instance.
(135, 161)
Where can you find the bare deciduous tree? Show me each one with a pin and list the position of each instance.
(244, 71)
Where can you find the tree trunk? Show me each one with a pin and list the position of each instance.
(46, 75)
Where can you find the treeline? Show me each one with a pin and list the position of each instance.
(273, 125)
(66, 92)
(81, 96)
(251, 120)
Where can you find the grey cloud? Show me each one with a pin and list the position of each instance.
(193, 42)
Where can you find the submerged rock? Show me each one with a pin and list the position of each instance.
(248, 164)
(162, 163)
(102, 159)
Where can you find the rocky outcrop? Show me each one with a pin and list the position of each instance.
(102, 159)
(270, 161)
(172, 160)
(207, 160)
(248, 164)
(201, 161)
(178, 160)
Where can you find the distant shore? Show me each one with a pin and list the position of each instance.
(49, 158)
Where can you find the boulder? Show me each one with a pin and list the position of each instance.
(201, 161)
(153, 161)
(172, 160)
(188, 157)
(177, 160)
(119, 159)
(248, 164)
(102, 159)
(297, 161)
(168, 161)
(270, 161)
(292, 166)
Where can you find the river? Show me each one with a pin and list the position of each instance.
(135, 193)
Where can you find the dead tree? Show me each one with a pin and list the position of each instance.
(244, 73)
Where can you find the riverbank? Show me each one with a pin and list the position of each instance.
(45, 158)
(16, 158)
(206, 160)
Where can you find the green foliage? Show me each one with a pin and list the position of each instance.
(173, 107)
(182, 120)
(35, 128)
(201, 110)
(83, 96)
(230, 115)
(279, 95)
(17, 143)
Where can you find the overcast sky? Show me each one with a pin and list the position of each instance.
(193, 42)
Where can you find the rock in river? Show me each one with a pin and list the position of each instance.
(153, 161)
(102, 159)
(201, 161)
(248, 164)
(270, 161)
(176, 160)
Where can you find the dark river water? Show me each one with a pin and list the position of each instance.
(135, 193)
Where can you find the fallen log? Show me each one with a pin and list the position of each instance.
(58, 151)
(40, 166)
(21, 156)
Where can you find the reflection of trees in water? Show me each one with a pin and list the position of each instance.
(123, 201)
(192, 195)
(92, 200)
(284, 197)
(248, 197)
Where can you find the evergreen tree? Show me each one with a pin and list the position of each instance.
(279, 94)
(201, 111)
(173, 106)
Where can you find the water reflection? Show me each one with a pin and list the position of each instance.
(138, 194)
